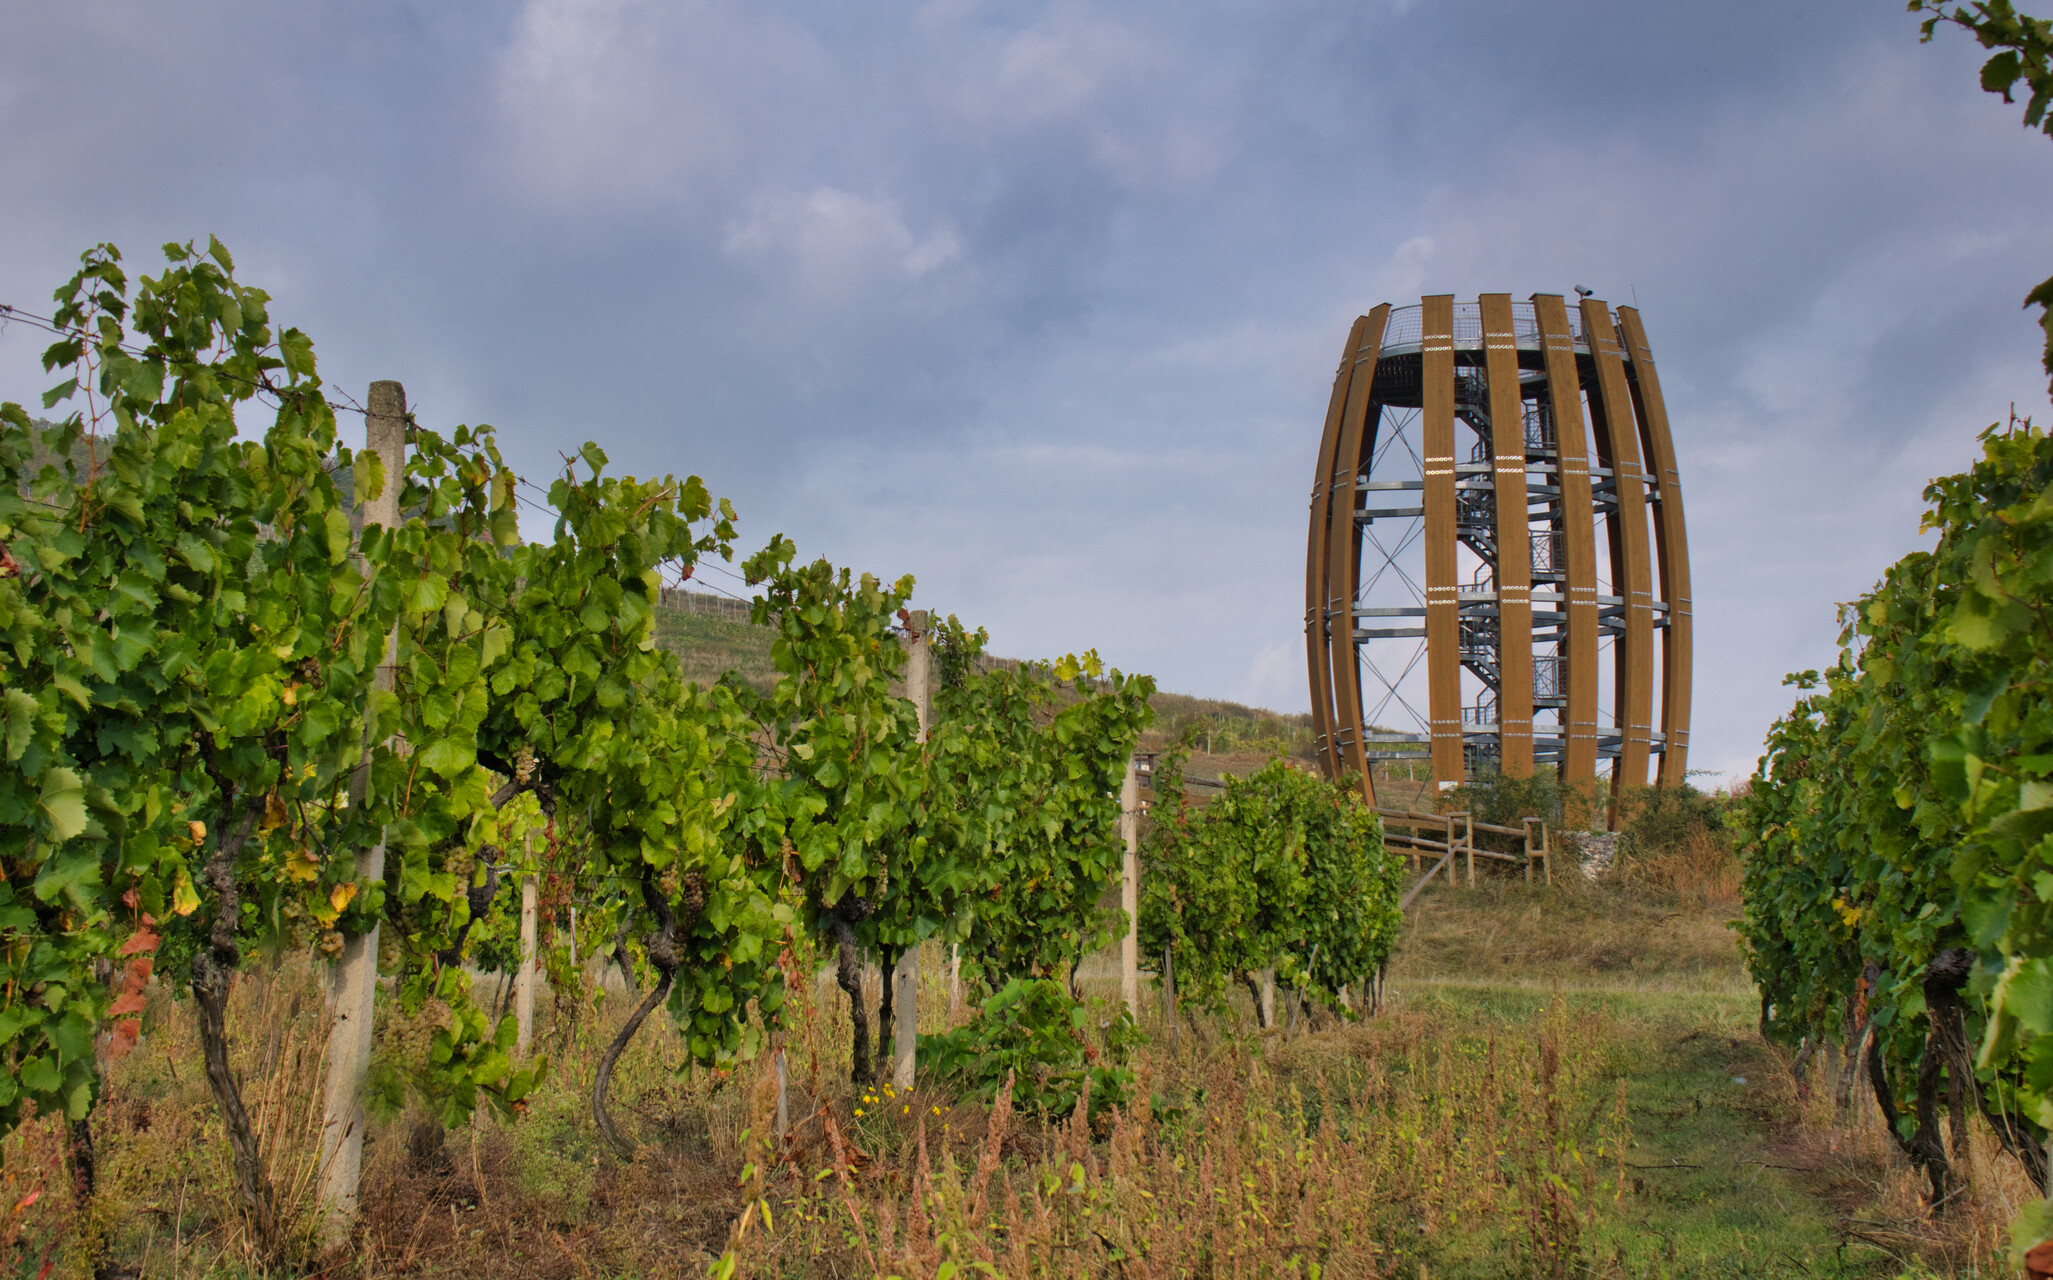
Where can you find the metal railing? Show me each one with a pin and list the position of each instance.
(1479, 635)
(1475, 508)
(1539, 433)
(1403, 333)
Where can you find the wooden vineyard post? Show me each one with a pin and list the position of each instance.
(524, 976)
(1538, 851)
(1130, 890)
(353, 979)
(905, 976)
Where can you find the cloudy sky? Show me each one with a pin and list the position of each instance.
(1040, 302)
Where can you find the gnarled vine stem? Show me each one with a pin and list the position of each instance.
(662, 949)
(213, 972)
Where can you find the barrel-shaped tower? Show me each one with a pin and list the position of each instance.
(1497, 575)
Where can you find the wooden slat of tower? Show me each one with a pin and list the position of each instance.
(1578, 530)
(1514, 552)
(1671, 550)
(1318, 637)
(1443, 615)
(1343, 554)
(1617, 434)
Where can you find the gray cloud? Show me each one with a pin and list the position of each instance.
(1040, 300)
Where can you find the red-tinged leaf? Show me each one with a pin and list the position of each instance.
(130, 899)
(140, 940)
(126, 1033)
(138, 973)
(21, 1205)
(126, 1003)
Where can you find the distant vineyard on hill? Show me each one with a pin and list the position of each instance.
(712, 635)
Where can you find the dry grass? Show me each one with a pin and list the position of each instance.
(1574, 934)
(165, 1199)
(34, 1197)
(1361, 1156)
(1701, 867)
(1849, 1159)
(1566, 1083)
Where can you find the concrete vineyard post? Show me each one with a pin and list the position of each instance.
(1169, 994)
(905, 1026)
(524, 976)
(905, 1007)
(353, 979)
(1130, 890)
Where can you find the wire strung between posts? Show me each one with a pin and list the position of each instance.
(261, 386)
(696, 565)
(717, 568)
(717, 587)
(10, 313)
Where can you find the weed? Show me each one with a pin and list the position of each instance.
(1567, 1082)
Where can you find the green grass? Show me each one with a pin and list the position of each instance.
(709, 647)
(1729, 1173)
(1700, 1198)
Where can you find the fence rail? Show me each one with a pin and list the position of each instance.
(1456, 836)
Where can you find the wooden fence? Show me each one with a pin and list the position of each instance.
(1451, 838)
(1448, 839)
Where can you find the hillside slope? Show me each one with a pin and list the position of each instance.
(711, 636)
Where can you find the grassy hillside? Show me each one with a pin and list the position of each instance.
(709, 646)
(1228, 736)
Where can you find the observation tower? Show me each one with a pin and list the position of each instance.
(1497, 576)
